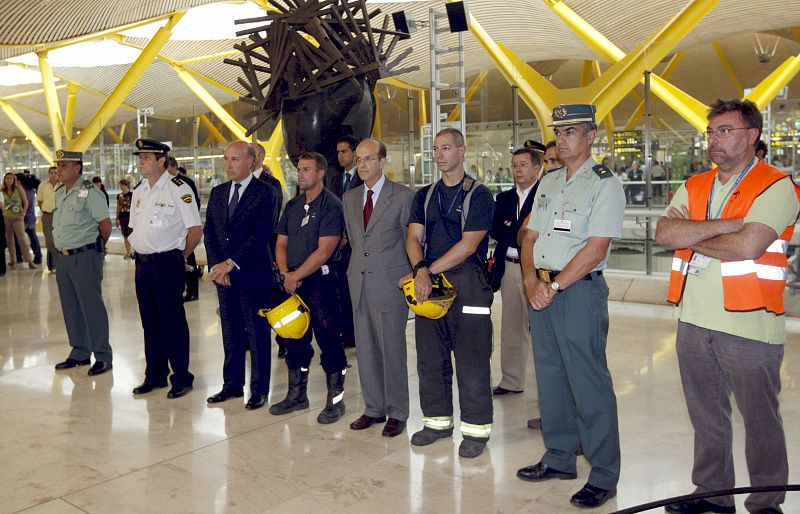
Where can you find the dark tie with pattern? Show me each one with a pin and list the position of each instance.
(346, 187)
(368, 208)
(234, 200)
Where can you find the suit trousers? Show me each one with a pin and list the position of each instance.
(466, 333)
(243, 330)
(343, 292)
(576, 396)
(47, 228)
(320, 293)
(79, 279)
(382, 357)
(713, 365)
(515, 329)
(192, 278)
(159, 289)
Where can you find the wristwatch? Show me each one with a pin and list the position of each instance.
(555, 286)
(230, 263)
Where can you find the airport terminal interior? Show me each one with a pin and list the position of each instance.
(94, 76)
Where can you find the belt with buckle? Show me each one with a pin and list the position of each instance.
(152, 257)
(546, 275)
(86, 248)
(515, 261)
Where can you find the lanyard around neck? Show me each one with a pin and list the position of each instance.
(709, 214)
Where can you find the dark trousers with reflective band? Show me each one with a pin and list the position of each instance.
(466, 336)
(576, 396)
(713, 365)
(243, 330)
(320, 293)
(79, 279)
(159, 289)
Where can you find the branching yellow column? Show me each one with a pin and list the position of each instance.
(468, 96)
(72, 96)
(23, 127)
(274, 147)
(766, 91)
(114, 136)
(213, 132)
(204, 96)
(51, 99)
(137, 69)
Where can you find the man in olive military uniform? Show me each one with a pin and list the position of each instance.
(577, 211)
(166, 229)
(81, 227)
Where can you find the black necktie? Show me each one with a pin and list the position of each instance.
(234, 200)
(346, 182)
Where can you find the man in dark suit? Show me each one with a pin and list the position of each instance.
(239, 226)
(339, 183)
(376, 216)
(192, 275)
(511, 209)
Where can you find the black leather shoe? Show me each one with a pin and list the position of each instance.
(365, 422)
(146, 387)
(499, 391)
(535, 423)
(698, 507)
(190, 298)
(71, 363)
(177, 392)
(256, 401)
(224, 395)
(99, 367)
(590, 496)
(541, 471)
(394, 427)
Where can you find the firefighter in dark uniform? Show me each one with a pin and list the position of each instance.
(577, 212)
(307, 251)
(448, 232)
(166, 229)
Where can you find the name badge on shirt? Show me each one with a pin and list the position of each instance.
(562, 225)
(83, 193)
(156, 222)
(305, 221)
(698, 263)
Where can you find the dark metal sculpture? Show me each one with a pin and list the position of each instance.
(315, 64)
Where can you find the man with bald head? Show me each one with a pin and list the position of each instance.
(239, 227)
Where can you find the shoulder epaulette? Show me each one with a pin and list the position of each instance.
(552, 170)
(468, 183)
(177, 181)
(87, 184)
(602, 171)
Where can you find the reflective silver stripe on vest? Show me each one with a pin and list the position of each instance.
(680, 265)
(747, 267)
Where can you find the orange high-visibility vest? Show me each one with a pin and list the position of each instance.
(747, 285)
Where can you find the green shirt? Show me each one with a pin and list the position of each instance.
(567, 213)
(78, 212)
(702, 301)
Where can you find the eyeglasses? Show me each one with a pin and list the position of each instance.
(367, 159)
(723, 132)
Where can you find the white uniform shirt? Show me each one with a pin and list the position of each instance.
(161, 215)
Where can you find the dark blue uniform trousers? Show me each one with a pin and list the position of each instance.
(576, 396)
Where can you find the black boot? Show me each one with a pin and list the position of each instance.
(296, 398)
(334, 407)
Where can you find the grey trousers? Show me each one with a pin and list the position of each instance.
(47, 228)
(515, 329)
(382, 358)
(79, 280)
(713, 365)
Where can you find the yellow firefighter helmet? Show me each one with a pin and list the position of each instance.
(438, 303)
(290, 319)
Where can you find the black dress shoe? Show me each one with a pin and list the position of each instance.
(590, 496)
(541, 471)
(256, 401)
(535, 423)
(393, 428)
(224, 395)
(146, 387)
(177, 392)
(190, 298)
(71, 363)
(99, 367)
(365, 422)
(349, 344)
(698, 507)
(499, 391)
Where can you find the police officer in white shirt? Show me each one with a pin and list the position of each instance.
(166, 228)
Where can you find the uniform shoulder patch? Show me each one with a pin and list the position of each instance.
(602, 171)
(186, 198)
(87, 184)
(177, 181)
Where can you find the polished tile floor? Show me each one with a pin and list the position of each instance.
(70, 443)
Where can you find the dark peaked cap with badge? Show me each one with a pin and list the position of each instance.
(573, 114)
(150, 146)
(67, 156)
(534, 145)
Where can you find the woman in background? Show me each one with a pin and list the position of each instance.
(124, 213)
(15, 204)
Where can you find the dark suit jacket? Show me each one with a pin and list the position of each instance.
(335, 182)
(505, 226)
(245, 237)
(278, 201)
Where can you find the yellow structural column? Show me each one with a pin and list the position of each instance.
(473, 88)
(213, 132)
(72, 96)
(273, 147)
(113, 102)
(114, 136)
(23, 127)
(51, 99)
(766, 91)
